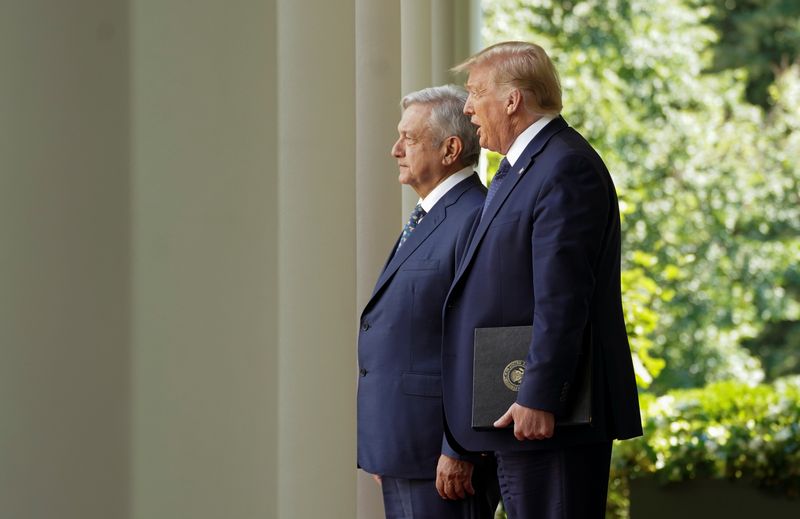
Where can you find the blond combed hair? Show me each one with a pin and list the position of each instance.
(525, 66)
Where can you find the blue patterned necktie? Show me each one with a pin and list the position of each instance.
(497, 180)
(416, 216)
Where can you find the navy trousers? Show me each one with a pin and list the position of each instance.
(568, 483)
(418, 498)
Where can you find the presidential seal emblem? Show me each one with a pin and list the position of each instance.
(512, 375)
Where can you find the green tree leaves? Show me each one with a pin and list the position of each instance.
(708, 182)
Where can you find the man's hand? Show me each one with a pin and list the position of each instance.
(529, 424)
(454, 478)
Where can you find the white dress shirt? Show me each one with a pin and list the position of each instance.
(524, 138)
(444, 186)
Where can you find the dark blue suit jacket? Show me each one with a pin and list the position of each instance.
(399, 343)
(547, 253)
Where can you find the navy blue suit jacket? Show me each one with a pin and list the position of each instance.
(546, 253)
(399, 343)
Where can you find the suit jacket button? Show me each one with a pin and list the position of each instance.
(362, 372)
(365, 326)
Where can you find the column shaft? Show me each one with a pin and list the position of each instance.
(415, 30)
(378, 194)
(443, 39)
(317, 249)
(64, 268)
(204, 263)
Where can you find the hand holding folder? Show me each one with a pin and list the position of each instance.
(498, 370)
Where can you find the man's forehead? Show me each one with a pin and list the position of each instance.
(410, 125)
(479, 75)
(404, 126)
(415, 113)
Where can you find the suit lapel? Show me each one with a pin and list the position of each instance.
(522, 166)
(428, 224)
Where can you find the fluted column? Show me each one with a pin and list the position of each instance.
(205, 240)
(459, 23)
(64, 260)
(416, 59)
(378, 93)
(378, 194)
(435, 36)
(196, 200)
(316, 257)
(443, 40)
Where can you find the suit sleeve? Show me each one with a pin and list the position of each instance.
(462, 240)
(569, 222)
(448, 450)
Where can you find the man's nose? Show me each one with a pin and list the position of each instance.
(397, 149)
(468, 106)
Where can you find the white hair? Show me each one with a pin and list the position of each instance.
(447, 118)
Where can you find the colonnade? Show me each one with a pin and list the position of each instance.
(195, 200)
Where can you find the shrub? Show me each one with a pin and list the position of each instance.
(727, 430)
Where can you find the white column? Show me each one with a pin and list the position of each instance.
(204, 259)
(64, 268)
(443, 40)
(475, 42)
(177, 317)
(416, 59)
(378, 111)
(378, 194)
(468, 23)
(435, 36)
(316, 251)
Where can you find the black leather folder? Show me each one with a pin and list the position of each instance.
(498, 369)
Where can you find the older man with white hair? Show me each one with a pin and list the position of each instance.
(400, 435)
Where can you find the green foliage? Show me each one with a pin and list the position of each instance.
(727, 430)
(761, 37)
(778, 347)
(708, 183)
(492, 163)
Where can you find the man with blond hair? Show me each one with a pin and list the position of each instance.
(400, 436)
(545, 253)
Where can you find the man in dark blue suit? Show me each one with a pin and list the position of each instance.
(545, 253)
(400, 428)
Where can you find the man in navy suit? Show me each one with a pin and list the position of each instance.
(545, 253)
(400, 427)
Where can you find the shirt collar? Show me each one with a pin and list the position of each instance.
(524, 138)
(444, 186)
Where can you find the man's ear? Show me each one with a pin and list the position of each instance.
(514, 100)
(452, 150)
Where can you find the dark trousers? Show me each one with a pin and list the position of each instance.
(568, 483)
(418, 498)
